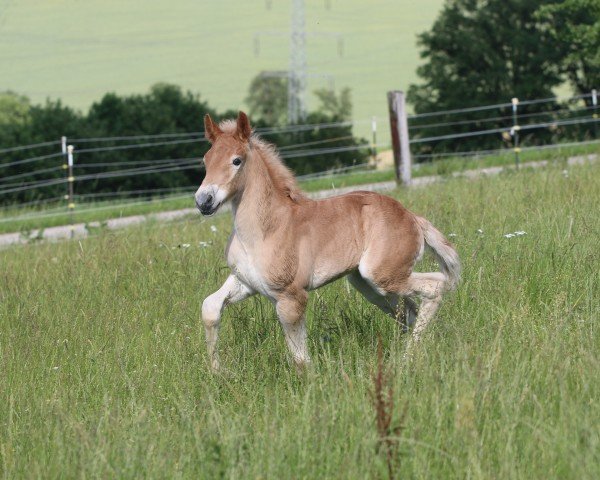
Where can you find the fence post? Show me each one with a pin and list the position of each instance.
(515, 131)
(70, 180)
(595, 114)
(374, 141)
(63, 149)
(400, 140)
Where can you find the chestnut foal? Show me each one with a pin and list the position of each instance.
(285, 244)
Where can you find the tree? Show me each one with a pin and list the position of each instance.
(166, 109)
(14, 109)
(14, 119)
(167, 162)
(267, 99)
(306, 150)
(337, 106)
(574, 26)
(482, 52)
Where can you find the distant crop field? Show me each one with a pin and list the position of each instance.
(104, 371)
(77, 51)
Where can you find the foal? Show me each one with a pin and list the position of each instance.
(284, 244)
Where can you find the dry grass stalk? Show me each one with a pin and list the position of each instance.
(382, 396)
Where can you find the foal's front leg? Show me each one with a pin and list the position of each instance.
(290, 310)
(232, 291)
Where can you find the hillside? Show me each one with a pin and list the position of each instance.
(77, 51)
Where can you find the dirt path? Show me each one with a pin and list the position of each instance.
(82, 230)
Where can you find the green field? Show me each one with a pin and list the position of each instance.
(104, 371)
(77, 51)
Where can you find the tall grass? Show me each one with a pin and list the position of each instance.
(104, 371)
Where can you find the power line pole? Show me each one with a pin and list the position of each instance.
(297, 79)
(297, 74)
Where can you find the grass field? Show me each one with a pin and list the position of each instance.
(104, 372)
(27, 219)
(78, 51)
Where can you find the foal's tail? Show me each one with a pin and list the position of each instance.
(444, 252)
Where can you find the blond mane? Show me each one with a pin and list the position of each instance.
(281, 176)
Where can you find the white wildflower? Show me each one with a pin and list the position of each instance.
(204, 244)
(185, 245)
(213, 229)
(452, 234)
(54, 368)
(518, 233)
(480, 231)
(565, 173)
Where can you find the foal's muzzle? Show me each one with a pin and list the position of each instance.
(205, 202)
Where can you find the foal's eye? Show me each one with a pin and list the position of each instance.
(237, 161)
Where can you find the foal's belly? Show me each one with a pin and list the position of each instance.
(322, 275)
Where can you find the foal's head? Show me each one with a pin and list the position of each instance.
(224, 162)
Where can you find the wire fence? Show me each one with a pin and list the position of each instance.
(564, 113)
(88, 167)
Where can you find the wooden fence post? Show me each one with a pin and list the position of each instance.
(400, 139)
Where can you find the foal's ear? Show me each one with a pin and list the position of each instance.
(244, 130)
(211, 129)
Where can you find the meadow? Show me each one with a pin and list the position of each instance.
(104, 371)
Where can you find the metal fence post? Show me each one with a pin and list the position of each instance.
(70, 181)
(400, 139)
(63, 149)
(515, 130)
(595, 114)
(374, 141)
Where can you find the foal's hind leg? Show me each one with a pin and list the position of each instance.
(387, 303)
(429, 287)
(410, 312)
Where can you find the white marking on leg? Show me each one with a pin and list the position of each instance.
(426, 312)
(232, 291)
(429, 287)
(291, 317)
(295, 337)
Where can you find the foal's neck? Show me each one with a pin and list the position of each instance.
(257, 208)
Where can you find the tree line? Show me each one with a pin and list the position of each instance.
(165, 109)
(485, 52)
